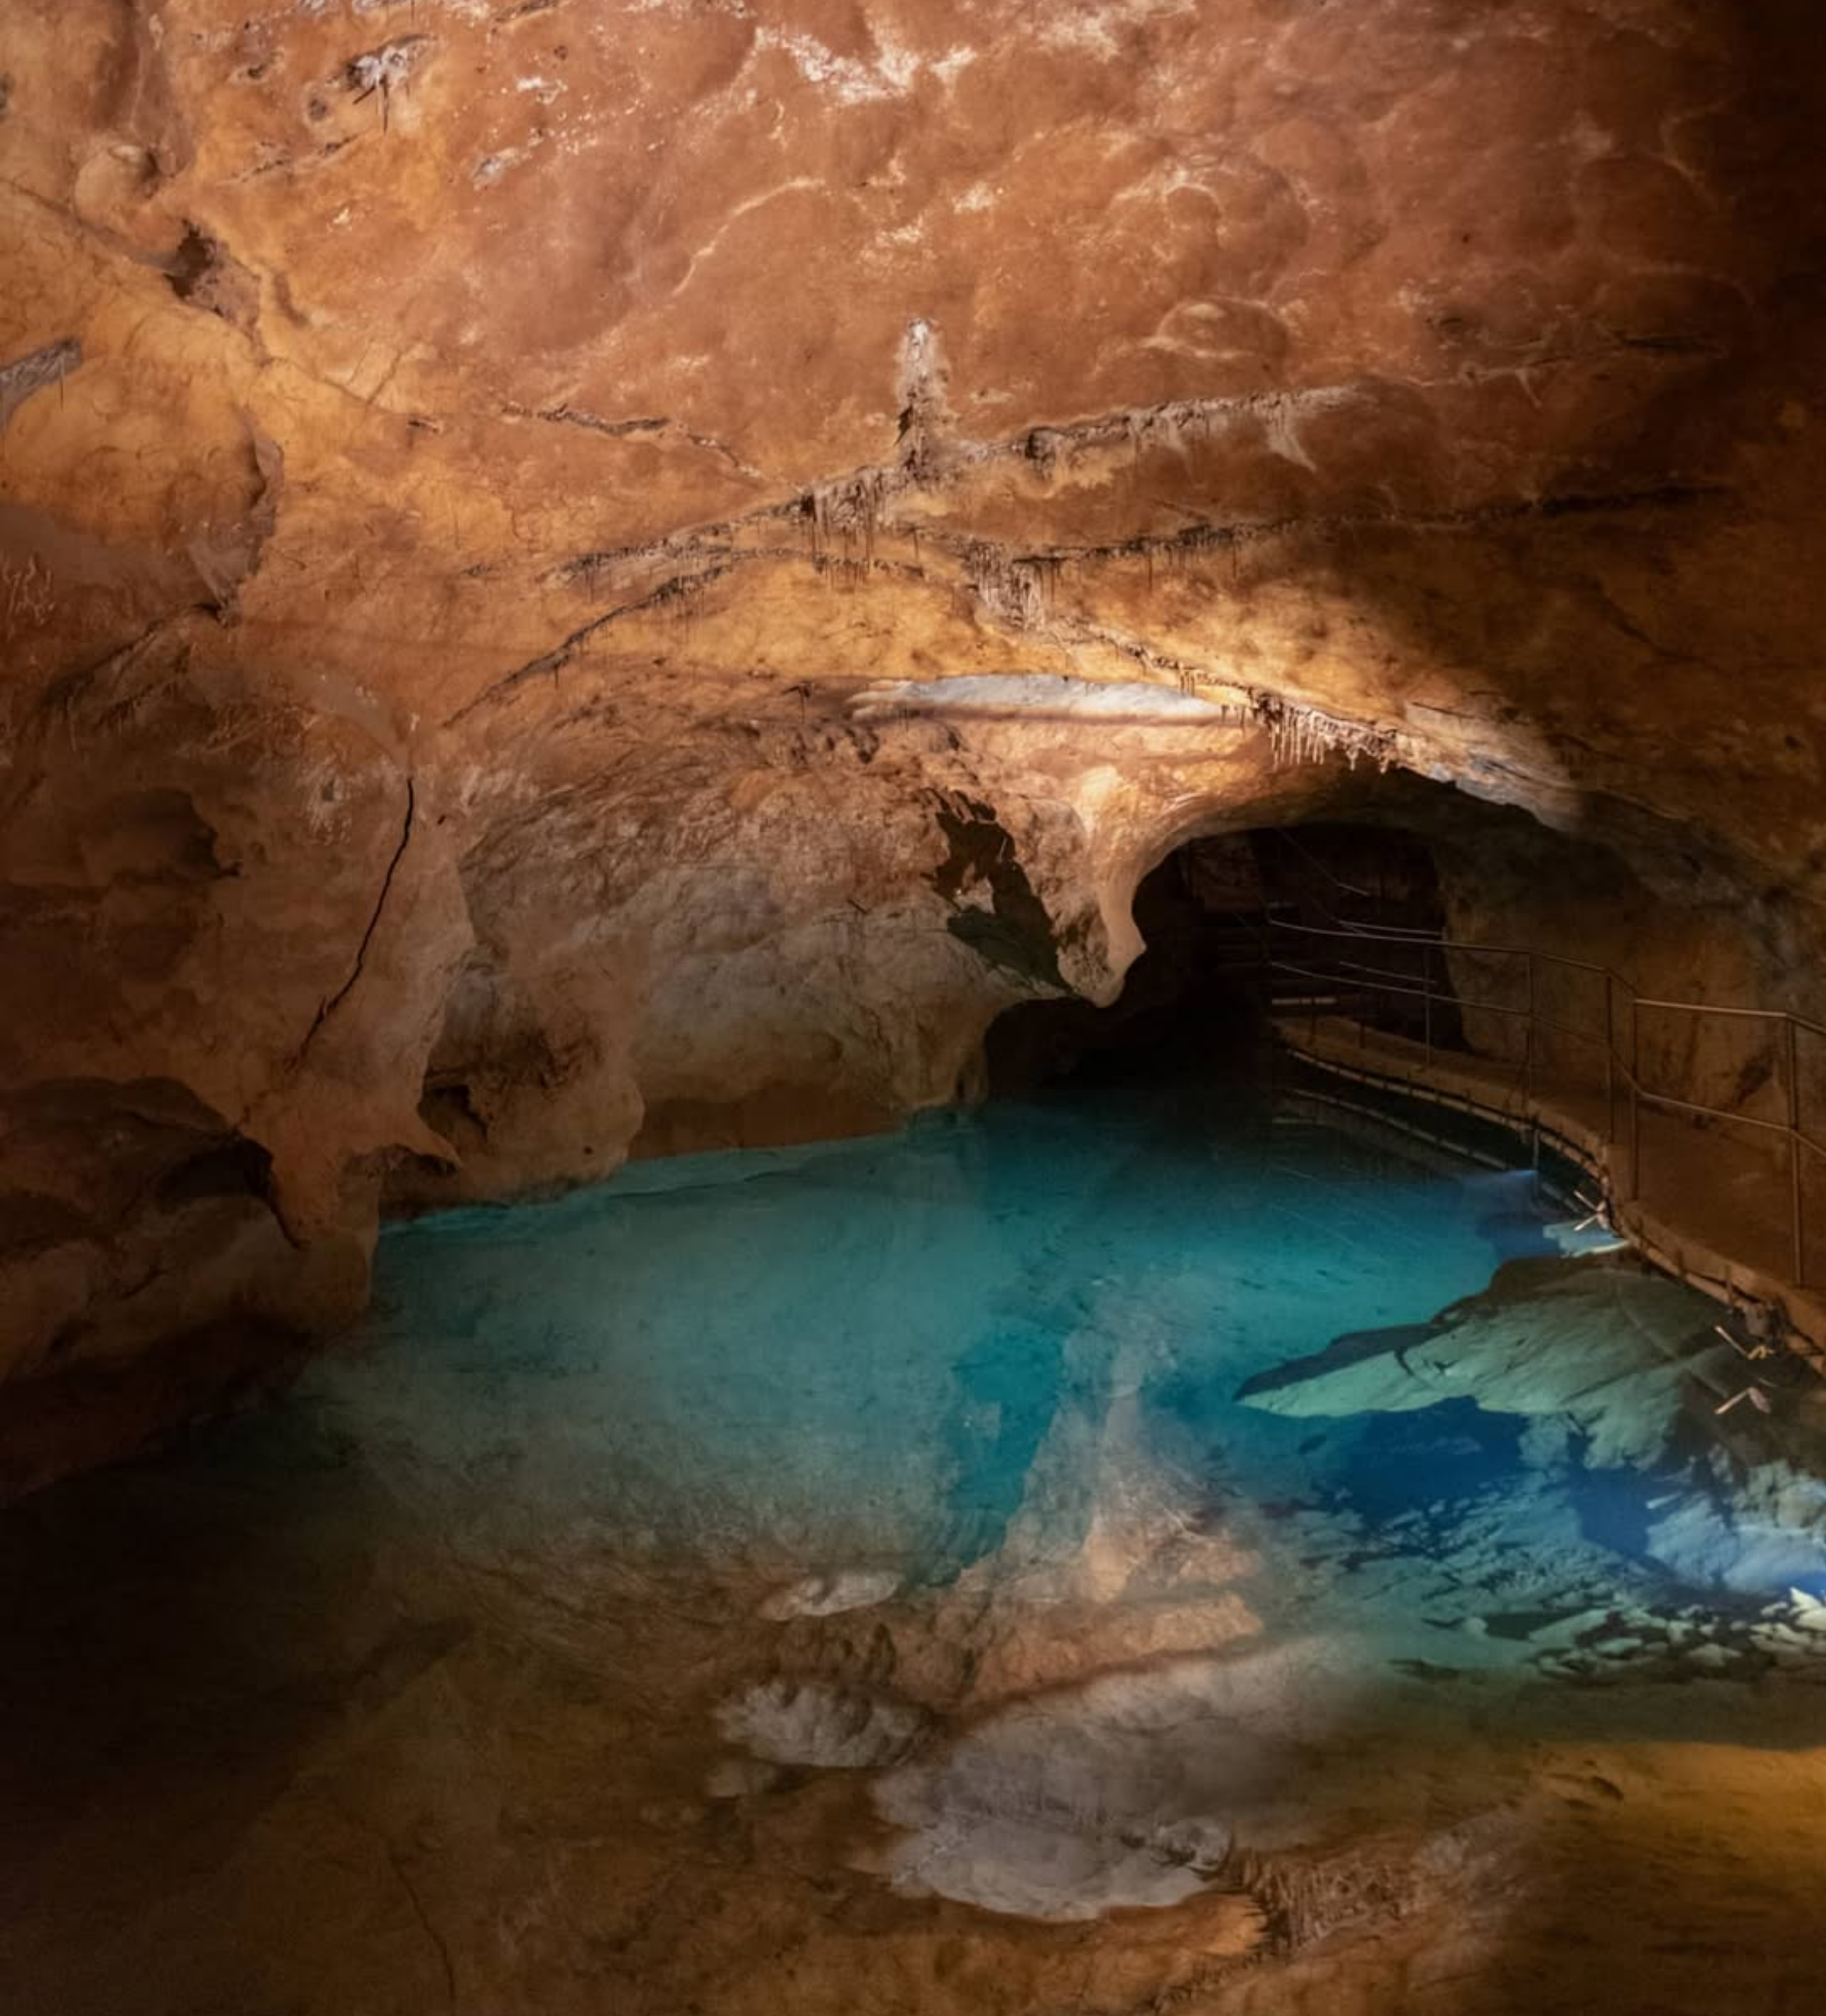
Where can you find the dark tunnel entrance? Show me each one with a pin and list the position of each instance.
(1235, 925)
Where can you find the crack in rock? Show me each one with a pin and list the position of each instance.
(673, 593)
(1014, 587)
(328, 1007)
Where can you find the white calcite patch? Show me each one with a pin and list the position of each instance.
(1044, 692)
(830, 1595)
(1120, 1794)
(1574, 1236)
(788, 1723)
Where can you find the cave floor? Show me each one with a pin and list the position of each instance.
(848, 1579)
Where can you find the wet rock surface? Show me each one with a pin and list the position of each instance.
(1014, 1679)
(576, 579)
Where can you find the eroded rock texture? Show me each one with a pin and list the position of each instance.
(581, 576)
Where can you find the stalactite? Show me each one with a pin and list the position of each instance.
(1016, 589)
(1306, 734)
(849, 509)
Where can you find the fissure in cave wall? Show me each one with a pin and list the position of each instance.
(575, 581)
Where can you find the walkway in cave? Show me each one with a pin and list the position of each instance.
(1705, 1203)
(1238, 932)
(1193, 1004)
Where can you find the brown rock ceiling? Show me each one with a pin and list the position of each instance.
(493, 494)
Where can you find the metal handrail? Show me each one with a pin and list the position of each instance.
(1307, 854)
(1400, 935)
(1388, 983)
(1622, 1071)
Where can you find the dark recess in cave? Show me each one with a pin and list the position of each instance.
(1229, 922)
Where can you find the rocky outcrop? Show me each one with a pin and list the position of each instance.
(581, 580)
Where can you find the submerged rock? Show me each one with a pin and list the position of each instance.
(1128, 1790)
(812, 1723)
(1612, 1349)
(1619, 1372)
(830, 1595)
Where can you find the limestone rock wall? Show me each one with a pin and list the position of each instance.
(580, 577)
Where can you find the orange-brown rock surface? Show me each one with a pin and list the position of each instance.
(579, 575)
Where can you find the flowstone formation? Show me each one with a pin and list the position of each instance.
(578, 579)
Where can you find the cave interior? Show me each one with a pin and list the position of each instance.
(912, 1048)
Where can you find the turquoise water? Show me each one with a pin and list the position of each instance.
(550, 1613)
(860, 1353)
(664, 1572)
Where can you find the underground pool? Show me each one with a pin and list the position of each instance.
(1130, 1542)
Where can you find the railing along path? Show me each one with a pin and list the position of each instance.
(1614, 1035)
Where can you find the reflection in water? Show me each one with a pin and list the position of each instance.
(679, 1590)
(858, 1350)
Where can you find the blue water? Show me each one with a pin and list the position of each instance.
(413, 1691)
(863, 1353)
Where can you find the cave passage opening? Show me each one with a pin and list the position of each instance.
(1235, 928)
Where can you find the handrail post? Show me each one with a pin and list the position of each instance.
(1635, 1094)
(1427, 999)
(1527, 1051)
(1796, 1202)
(1610, 1064)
